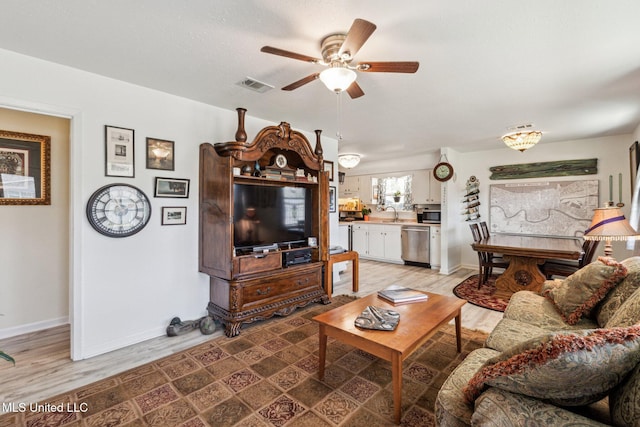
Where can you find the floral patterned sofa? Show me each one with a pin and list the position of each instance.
(569, 356)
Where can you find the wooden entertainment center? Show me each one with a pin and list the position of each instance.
(253, 283)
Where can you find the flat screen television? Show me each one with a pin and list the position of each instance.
(264, 215)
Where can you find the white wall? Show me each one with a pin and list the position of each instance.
(126, 290)
(613, 158)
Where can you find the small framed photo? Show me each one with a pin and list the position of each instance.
(119, 152)
(160, 154)
(174, 215)
(172, 187)
(332, 199)
(328, 167)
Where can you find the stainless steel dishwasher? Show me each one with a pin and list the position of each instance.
(415, 245)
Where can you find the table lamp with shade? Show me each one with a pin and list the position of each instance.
(609, 224)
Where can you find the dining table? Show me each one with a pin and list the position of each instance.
(525, 254)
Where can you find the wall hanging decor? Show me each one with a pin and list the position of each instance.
(471, 200)
(25, 169)
(545, 169)
(545, 208)
(119, 152)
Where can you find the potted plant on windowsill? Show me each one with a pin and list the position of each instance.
(396, 196)
(365, 213)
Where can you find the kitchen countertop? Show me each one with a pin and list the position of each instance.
(389, 222)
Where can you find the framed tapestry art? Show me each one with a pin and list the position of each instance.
(25, 169)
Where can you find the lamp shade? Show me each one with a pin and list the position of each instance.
(337, 79)
(522, 140)
(349, 160)
(609, 224)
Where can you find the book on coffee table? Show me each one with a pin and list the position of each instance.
(400, 294)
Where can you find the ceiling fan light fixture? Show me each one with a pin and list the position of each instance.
(348, 161)
(338, 78)
(522, 141)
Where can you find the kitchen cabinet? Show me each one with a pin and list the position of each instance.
(434, 247)
(366, 193)
(425, 188)
(350, 187)
(360, 239)
(381, 242)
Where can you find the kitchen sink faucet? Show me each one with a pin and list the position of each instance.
(395, 213)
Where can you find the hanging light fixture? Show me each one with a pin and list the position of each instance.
(522, 140)
(348, 161)
(338, 77)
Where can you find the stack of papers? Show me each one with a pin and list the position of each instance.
(399, 294)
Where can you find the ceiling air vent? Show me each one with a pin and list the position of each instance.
(518, 128)
(255, 85)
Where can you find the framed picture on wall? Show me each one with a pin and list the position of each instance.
(119, 152)
(172, 187)
(25, 169)
(174, 215)
(160, 154)
(328, 167)
(332, 199)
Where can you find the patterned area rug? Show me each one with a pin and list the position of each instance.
(483, 297)
(266, 376)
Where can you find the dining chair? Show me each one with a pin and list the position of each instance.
(565, 268)
(486, 260)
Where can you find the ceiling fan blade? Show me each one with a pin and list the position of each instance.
(358, 34)
(354, 90)
(389, 67)
(301, 82)
(287, 54)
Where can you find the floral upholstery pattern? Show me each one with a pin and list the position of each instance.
(529, 307)
(499, 408)
(580, 292)
(614, 299)
(628, 314)
(451, 408)
(509, 331)
(624, 401)
(566, 368)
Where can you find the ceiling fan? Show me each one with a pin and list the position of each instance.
(338, 51)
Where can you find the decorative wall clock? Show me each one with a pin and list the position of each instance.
(443, 171)
(118, 210)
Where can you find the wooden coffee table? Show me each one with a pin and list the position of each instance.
(418, 322)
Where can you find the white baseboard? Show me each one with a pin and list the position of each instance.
(32, 327)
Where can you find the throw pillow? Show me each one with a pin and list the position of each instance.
(579, 293)
(570, 369)
(618, 295)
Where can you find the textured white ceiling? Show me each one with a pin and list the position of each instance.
(570, 67)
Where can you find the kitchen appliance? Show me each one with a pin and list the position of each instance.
(429, 216)
(415, 245)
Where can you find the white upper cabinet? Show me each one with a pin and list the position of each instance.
(425, 188)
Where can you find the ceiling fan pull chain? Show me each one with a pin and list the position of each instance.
(339, 115)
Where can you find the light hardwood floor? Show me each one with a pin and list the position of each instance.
(44, 369)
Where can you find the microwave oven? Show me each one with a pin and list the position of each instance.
(427, 216)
